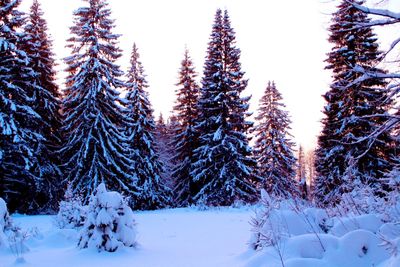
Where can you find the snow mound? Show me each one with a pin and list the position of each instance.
(368, 222)
(109, 223)
(288, 235)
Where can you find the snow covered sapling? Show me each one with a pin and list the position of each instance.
(17, 242)
(269, 230)
(109, 224)
(72, 213)
(259, 238)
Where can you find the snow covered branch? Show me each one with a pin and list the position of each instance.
(378, 12)
(368, 74)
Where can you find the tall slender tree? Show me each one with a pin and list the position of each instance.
(19, 138)
(301, 164)
(147, 168)
(46, 102)
(301, 173)
(185, 135)
(223, 171)
(96, 149)
(355, 109)
(273, 148)
(163, 138)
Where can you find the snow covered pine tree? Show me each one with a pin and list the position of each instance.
(109, 224)
(72, 213)
(185, 138)
(95, 148)
(163, 137)
(46, 102)
(273, 149)
(19, 122)
(354, 110)
(301, 174)
(224, 170)
(146, 167)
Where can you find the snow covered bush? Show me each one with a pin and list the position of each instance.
(360, 200)
(72, 213)
(392, 210)
(362, 230)
(10, 235)
(17, 243)
(109, 224)
(5, 222)
(280, 219)
(260, 236)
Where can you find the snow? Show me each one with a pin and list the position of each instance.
(287, 233)
(216, 237)
(174, 237)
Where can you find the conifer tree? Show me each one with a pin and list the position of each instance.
(109, 223)
(46, 102)
(146, 168)
(185, 138)
(301, 173)
(273, 148)
(301, 165)
(19, 136)
(223, 170)
(354, 109)
(96, 149)
(163, 139)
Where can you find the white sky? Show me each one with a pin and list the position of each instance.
(285, 41)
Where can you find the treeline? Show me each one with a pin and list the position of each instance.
(90, 133)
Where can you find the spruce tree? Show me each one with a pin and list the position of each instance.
(301, 173)
(223, 170)
(46, 102)
(96, 149)
(185, 138)
(301, 164)
(354, 109)
(273, 148)
(19, 122)
(163, 139)
(146, 168)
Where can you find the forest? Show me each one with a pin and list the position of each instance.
(92, 151)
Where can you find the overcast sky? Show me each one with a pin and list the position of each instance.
(285, 41)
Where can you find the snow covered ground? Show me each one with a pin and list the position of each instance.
(189, 237)
(176, 238)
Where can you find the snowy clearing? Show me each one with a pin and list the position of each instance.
(176, 237)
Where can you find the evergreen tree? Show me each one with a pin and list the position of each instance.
(354, 109)
(109, 224)
(95, 150)
(185, 138)
(163, 140)
(46, 102)
(19, 137)
(146, 168)
(223, 170)
(301, 164)
(273, 149)
(301, 173)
